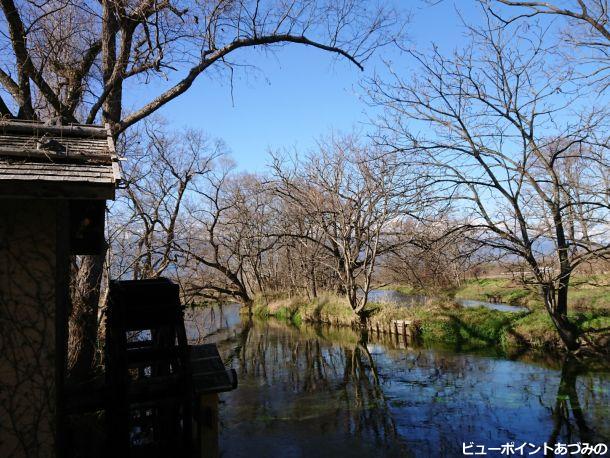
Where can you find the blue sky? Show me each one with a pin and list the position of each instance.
(297, 94)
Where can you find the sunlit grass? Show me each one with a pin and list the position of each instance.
(327, 308)
(506, 290)
(440, 320)
(587, 292)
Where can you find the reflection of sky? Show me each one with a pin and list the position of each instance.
(296, 398)
(485, 400)
(475, 399)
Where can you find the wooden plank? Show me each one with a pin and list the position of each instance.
(207, 425)
(207, 365)
(73, 156)
(51, 171)
(80, 130)
(14, 165)
(33, 141)
(216, 382)
(57, 178)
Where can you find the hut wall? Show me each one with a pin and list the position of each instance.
(28, 301)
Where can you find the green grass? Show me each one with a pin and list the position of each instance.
(534, 330)
(441, 321)
(327, 308)
(507, 290)
(587, 292)
(591, 292)
(482, 327)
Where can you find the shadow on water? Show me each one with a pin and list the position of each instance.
(323, 391)
(568, 416)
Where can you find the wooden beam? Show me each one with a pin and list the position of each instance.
(53, 156)
(116, 169)
(76, 130)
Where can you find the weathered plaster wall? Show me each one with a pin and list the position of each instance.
(27, 327)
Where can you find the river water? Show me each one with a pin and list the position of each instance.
(396, 297)
(320, 391)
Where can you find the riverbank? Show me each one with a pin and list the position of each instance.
(587, 292)
(441, 321)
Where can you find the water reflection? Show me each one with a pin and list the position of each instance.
(568, 411)
(326, 392)
(299, 393)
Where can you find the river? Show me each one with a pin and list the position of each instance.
(396, 297)
(320, 391)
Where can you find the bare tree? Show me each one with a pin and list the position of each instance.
(226, 239)
(75, 60)
(81, 55)
(351, 194)
(163, 168)
(306, 262)
(585, 31)
(499, 136)
(430, 255)
(145, 220)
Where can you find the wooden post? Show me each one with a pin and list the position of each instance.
(207, 425)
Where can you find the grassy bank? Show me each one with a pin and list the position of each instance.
(589, 309)
(440, 321)
(477, 327)
(327, 308)
(587, 293)
(506, 290)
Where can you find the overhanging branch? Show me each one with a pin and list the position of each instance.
(183, 85)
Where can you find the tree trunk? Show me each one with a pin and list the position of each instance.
(249, 303)
(82, 343)
(363, 322)
(562, 295)
(86, 282)
(313, 284)
(554, 303)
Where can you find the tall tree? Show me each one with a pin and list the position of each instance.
(227, 237)
(148, 218)
(520, 152)
(351, 194)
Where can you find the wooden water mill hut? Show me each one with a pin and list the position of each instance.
(54, 183)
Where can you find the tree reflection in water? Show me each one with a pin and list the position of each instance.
(327, 392)
(327, 388)
(568, 415)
